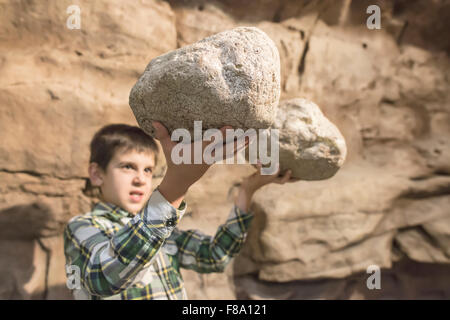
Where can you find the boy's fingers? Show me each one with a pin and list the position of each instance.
(216, 141)
(222, 145)
(259, 166)
(236, 145)
(240, 144)
(285, 177)
(161, 132)
(278, 170)
(273, 176)
(224, 130)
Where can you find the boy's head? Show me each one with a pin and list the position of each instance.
(121, 164)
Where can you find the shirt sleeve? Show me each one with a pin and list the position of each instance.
(108, 263)
(206, 254)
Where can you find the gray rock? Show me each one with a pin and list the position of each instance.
(230, 78)
(310, 145)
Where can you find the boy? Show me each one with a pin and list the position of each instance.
(129, 246)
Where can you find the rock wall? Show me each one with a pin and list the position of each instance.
(387, 90)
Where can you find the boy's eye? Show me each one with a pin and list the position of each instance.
(149, 170)
(127, 166)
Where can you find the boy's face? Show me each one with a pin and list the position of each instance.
(127, 181)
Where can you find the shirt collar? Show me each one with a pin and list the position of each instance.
(111, 209)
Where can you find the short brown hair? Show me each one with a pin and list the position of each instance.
(111, 138)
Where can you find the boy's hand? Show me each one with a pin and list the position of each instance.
(179, 177)
(252, 183)
(257, 180)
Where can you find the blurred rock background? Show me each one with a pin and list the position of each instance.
(387, 91)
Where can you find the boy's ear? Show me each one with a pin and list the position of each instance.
(95, 174)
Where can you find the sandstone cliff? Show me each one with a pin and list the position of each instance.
(387, 90)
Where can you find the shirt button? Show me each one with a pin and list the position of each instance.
(170, 223)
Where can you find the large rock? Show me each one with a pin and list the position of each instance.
(231, 78)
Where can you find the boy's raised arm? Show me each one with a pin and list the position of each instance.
(203, 253)
(206, 254)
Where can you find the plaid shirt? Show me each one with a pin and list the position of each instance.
(121, 256)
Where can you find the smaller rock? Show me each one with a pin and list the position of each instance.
(310, 145)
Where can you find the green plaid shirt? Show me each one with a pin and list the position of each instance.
(121, 256)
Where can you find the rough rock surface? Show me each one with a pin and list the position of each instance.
(230, 78)
(310, 145)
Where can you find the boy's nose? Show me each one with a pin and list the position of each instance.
(139, 179)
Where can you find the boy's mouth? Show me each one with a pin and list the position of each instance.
(136, 196)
